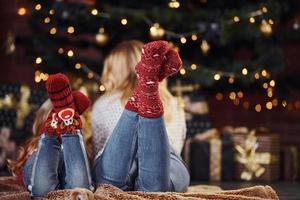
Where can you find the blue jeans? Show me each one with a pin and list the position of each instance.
(137, 157)
(57, 166)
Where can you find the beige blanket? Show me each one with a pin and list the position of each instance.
(10, 190)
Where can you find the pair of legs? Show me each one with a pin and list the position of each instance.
(57, 166)
(137, 157)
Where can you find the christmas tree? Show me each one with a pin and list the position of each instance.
(225, 45)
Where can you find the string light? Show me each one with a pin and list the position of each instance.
(51, 12)
(284, 103)
(53, 31)
(94, 11)
(264, 73)
(270, 94)
(174, 4)
(269, 105)
(204, 47)
(102, 88)
(256, 75)
(22, 11)
(236, 102)
(265, 28)
(101, 36)
(47, 20)
(38, 7)
(38, 60)
(265, 85)
(60, 50)
(156, 31)
(90, 75)
(124, 21)
(231, 80)
(271, 21)
(275, 102)
(240, 94)
(182, 71)
(244, 71)
(193, 66)
(257, 107)
(183, 40)
(264, 9)
(252, 20)
(194, 37)
(236, 19)
(219, 96)
(77, 66)
(70, 53)
(232, 95)
(217, 77)
(272, 83)
(71, 29)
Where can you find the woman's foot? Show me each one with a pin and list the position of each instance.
(158, 62)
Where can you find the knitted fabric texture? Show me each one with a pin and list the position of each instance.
(158, 62)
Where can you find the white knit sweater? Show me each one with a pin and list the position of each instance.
(108, 109)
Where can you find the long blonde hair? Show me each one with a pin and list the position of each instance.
(119, 74)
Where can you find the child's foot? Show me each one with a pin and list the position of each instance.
(158, 62)
(67, 106)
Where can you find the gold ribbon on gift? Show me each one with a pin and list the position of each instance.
(251, 159)
(215, 158)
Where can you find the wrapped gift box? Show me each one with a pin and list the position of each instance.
(257, 155)
(212, 160)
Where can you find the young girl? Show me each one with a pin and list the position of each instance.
(59, 160)
(137, 155)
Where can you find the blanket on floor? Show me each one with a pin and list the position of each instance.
(10, 190)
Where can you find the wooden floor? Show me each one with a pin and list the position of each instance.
(285, 190)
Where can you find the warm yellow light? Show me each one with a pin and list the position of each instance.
(264, 9)
(271, 21)
(257, 107)
(70, 53)
(240, 94)
(90, 75)
(265, 27)
(182, 71)
(47, 20)
(22, 11)
(236, 19)
(252, 20)
(124, 21)
(37, 79)
(231, 80)
(284, 103)
(53, 31)
(77, 66)
(38, 7)
(272, 83)
(269, 105)
(156, 31)
(38, 60)
(265, 85)
(183, 40)
(264, 73)
(270, 93)
(275, 102)
(102, 88)
(256, 75)
(174, 4)
(232, 95)
(71, 29)
(94, 11)
(194, 37)
(219, 96)
(217, 77)
(244, 71)
(51, 12)
(204, 47)
(60, 50)
(193, 66)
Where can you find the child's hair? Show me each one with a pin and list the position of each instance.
(119, 73)
(31, 144)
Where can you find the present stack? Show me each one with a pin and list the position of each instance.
(257, 155)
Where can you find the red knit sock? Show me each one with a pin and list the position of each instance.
(145, 99)
(171, 65)
(64, 118)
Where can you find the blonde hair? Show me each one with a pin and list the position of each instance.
(119, 74)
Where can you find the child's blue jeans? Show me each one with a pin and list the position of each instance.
(57, 166)
(137, 156)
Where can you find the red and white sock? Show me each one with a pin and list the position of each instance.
(145, 99)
